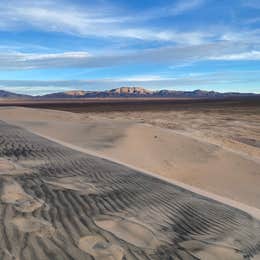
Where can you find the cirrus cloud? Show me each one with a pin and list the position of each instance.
(224, 50)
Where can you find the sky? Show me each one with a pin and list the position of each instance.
(50, 46)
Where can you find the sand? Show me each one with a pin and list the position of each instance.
(129, 230)
(38, 227)
(72, 183)
(13, 193)
(6, 165)
(130, 214)
(173, 145)
(100, 249)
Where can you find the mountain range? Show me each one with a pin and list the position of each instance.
(7, 94)
(128, 92)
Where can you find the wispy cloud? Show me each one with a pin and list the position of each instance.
(178, 8)
(53, 16)
(184, 6)
(107, 21)
(224, 50)
(228, 81)
(141, 78)
(105, 34)
(251, 55)
(60, 16)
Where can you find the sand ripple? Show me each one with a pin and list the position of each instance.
(103, 210)
(129, 231)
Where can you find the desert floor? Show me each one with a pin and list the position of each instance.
(211, 147)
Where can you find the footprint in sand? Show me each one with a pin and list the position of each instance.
(73, 183)
(129, 230)
(13, 193)
(100, 249)
(39, 227)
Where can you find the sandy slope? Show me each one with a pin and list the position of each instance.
(68, 204)
(208, 166)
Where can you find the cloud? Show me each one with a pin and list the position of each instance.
(53, 16)
(17, 60)
(94, 21)
(184, 6)
(230, 81)
(178, 8)
(107, 21)
(224, 50)
(35, 89)
(140, 78)
(251, 55)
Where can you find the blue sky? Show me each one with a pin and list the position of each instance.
(50, 46)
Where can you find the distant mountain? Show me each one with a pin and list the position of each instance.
(199, 94)
(7, 94)
(130, 92)
(142, 92)
(117, 92)
(67, 94)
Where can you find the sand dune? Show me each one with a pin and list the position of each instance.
(206, 163)
(132, 215)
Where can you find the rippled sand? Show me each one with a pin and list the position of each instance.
(195, 146)
(126, 215)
